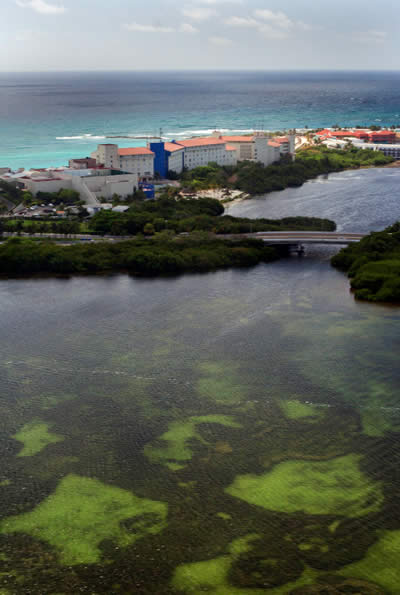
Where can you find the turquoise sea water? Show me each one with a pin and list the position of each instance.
(47, 118)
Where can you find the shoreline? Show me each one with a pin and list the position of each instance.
(239, 200)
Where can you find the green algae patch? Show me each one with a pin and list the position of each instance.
(329, 487)
(83, 512)
(35, 436)
(381, 413)
(333, 526)
(175, 451)
(187, 484)
(242, 545)
(221, 383)
(295, 409)
(212, 575)
(5, 483)
(224, 516)
(380, 565)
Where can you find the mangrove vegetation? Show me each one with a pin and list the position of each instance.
(373, 265)
(254, 178)
(21, 256)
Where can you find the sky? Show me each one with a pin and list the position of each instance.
(41, 35)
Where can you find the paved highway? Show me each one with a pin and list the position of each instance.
(270, 237)
(306, 237)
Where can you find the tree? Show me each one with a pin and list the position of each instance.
(139, 195)
(10, 191)
(68, 196)
(148, 229)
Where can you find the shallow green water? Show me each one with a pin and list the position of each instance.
(230, 433)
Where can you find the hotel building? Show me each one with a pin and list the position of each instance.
(136, 160)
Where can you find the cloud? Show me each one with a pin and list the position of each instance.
(273, 25)
(187, 28)
(306, 27)
(278, 19)
(198, 13)
(221, 41)
(148, 28)
(371, 36)
(271, 32)
(242, 22)
(139, 28)
(42, 6)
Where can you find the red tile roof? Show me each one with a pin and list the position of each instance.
(171, 147)
(274, 144)
(388, 133)
(135, 151)
(230, 148)
(237, 139)
(201, 142)
(44, 179)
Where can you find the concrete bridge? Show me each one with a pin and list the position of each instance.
(296, 238)
(293, 239)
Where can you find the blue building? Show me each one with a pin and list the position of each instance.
(168, 157)
(148, 189)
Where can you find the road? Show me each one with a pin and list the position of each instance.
(307, 237)
(270, 237)
(300, 142)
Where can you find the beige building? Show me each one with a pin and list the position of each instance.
(256, 147)
(135, 160)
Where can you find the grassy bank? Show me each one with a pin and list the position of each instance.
(373, 266)
(20, 257)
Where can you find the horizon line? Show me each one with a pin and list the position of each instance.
(270, 70)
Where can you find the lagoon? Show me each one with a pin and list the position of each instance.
(233, 432)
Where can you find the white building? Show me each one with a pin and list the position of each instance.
(389, 150)
(287, 143)
(90, 183)
(176, 157)
(243, 144)
(265, 150)
(202, 151)
(260, 146)
(135, 160)
(161, 157)
(195, 152)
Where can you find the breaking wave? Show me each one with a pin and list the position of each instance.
(81, 137)
(209, 131)
(147, 136)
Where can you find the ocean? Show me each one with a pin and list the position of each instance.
(48, 118)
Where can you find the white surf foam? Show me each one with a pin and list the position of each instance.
(81, 137)
(209, 131)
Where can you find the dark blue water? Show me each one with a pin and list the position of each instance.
(46, 118)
